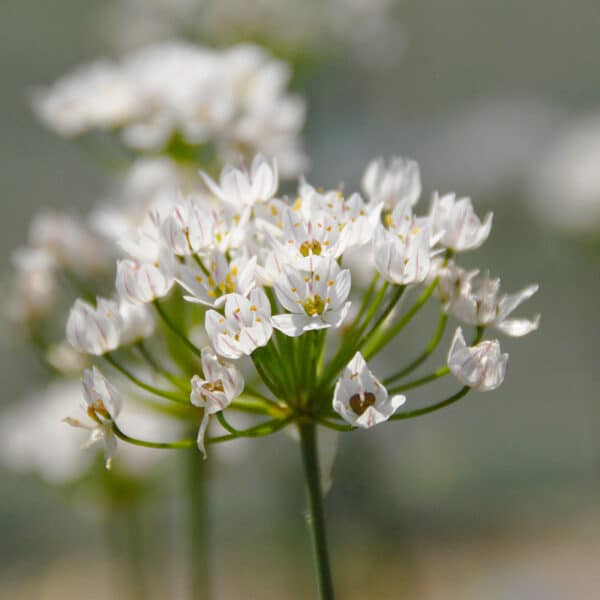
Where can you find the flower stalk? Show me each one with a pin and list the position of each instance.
(316, 514)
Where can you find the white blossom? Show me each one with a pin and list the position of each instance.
(481, 367)
(102, 405)
(455, 220)
(33, 291)
(478, 301)
(315, 297)
(246, 188)
(402, 251)
(245, 326)
(217, 277)
(220, 384)
(398, 182)
(360, 398)
(95, 330)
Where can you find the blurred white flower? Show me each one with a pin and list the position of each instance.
(95, 330)
(360, 398)
(565, 187)
(33, 290)
(398, 182)
(481, 367)
(235, 100)
(245, 188)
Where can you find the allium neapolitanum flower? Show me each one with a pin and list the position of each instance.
(265, 277)
(266, 283)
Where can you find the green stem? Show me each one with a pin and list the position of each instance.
(411, 414)
(197, 507)
(175, 397)
(431, 346)
(316, 517)
(173, 327)
(147, 356)
(379, 342)
(383, 317)
(441, 372)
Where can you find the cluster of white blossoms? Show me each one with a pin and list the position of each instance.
(266, 277)
(235, 101)
(369, 29)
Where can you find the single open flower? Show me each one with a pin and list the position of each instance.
(455, 220)
(221, 384)
(245, 326)
(102, 405)
(315, 296)
(360, 398)
(481, 367)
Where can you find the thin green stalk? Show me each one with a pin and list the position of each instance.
(173, 327)
(383, 317)
(196, 527)
(431, 346)
(181, 444)
(366, 300)
(265, 373)
(173, 396)
(379, 342)
(349, 347)
(411, 414)
(176, 381)
(316, 517)
(441, 372)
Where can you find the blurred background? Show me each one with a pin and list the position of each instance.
(496, 497)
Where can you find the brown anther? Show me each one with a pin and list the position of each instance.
(359, 404)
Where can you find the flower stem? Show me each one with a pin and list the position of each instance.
(316, 519)
(197, 520)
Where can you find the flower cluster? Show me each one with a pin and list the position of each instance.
(369, 29)
(265, 277)
(179, 95)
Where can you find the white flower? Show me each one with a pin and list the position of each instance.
(140, 283)
(360, 398)
(33, 290)
(94, 330)
(455, 220)
(309, 232)
(481, 367)
(245, 326)
(94, 96)
(69, 242)
(478, 301)
(149, 274)
(242, 188)
(403, 252)
(390, 185)
(103, 405)
(314, 296)
(217, 278)
(189, 228)
(221, 384)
